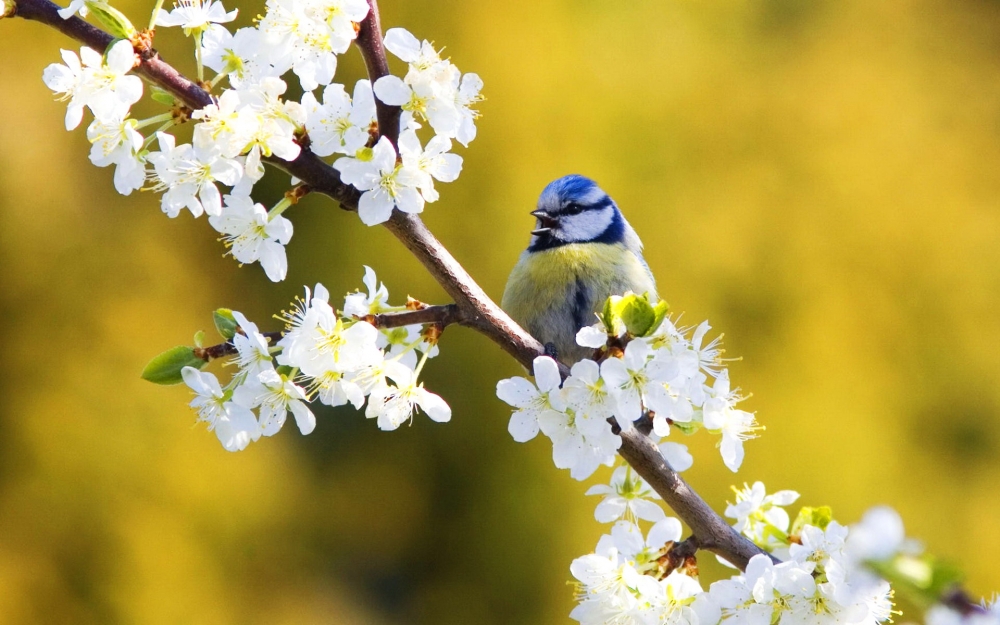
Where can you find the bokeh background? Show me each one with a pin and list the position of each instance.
(819, 179)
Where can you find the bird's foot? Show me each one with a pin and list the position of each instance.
(550, 351)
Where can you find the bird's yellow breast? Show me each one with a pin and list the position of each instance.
(543, 292)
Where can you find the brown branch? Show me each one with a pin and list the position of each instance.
(222, 350)
(472, 306)
(442, 316)
(369, 41)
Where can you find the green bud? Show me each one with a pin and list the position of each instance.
(818, 517)
(225, 323)
(8, 8)
(688, 428)
(199, 338)
(637, 314)
(113, 19)
(166, 368)
(607, 315)
(634, 313)
(162, 96)
(659, 314)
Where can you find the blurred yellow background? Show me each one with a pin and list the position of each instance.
(819, 179)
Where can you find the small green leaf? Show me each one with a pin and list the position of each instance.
(660, 313)
(637, 314)
(688, 428)
(818, 517)
(608, 314)
(113, 19)
(166, 368)
(923, 579)
(161, 96)
(225, 323)
(285, 370)
(199, 338)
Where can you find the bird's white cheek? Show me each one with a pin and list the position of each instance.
(585, 226)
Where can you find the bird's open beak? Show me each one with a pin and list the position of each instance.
(545, 221)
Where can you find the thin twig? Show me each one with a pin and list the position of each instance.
(442, 316)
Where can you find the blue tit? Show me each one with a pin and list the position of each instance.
(581, 252)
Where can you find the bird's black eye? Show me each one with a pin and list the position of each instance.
(572, 209)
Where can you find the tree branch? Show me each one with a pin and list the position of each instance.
(472, 306)
(442, 316)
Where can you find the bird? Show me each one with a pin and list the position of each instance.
(582, 250)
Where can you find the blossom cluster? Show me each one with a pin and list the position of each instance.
(631, 578)
(665, 374)
(628, 578)
(251, 120)
(334, 356)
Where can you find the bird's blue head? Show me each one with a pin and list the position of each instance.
(573, 209)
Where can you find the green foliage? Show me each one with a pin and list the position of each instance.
(166, 367)
(818, 517)
(225, 323)
(923, 579)
(113, 19)
(160, 95)
(638, 315)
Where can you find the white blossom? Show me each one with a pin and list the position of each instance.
(758, 515)
(532, 401)
(578, 443)
(393, 406)
(433, 89)
(104, 87)
(318, 341)
(188, 175)
(252, 236)
(386, 185)
(252, 349)
(676, 455)
(275, 396)
(374, 302)
(628, 496)
(234, 425)
(195, 15)
(67, 80)
(735, 425)
(631, 377)
(315, 31)
(589, 394)
(74, 7)
(245, 56)
(115, 141)
(340, 124)
(431, 163)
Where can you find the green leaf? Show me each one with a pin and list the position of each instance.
(660, 313)
(161, 96)
(113, 19)
(637, 314)
(225, 323)
(608, 314)
(818, 517)
(166, 368)
(199, 338)
(923, 579)
(688, 428)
